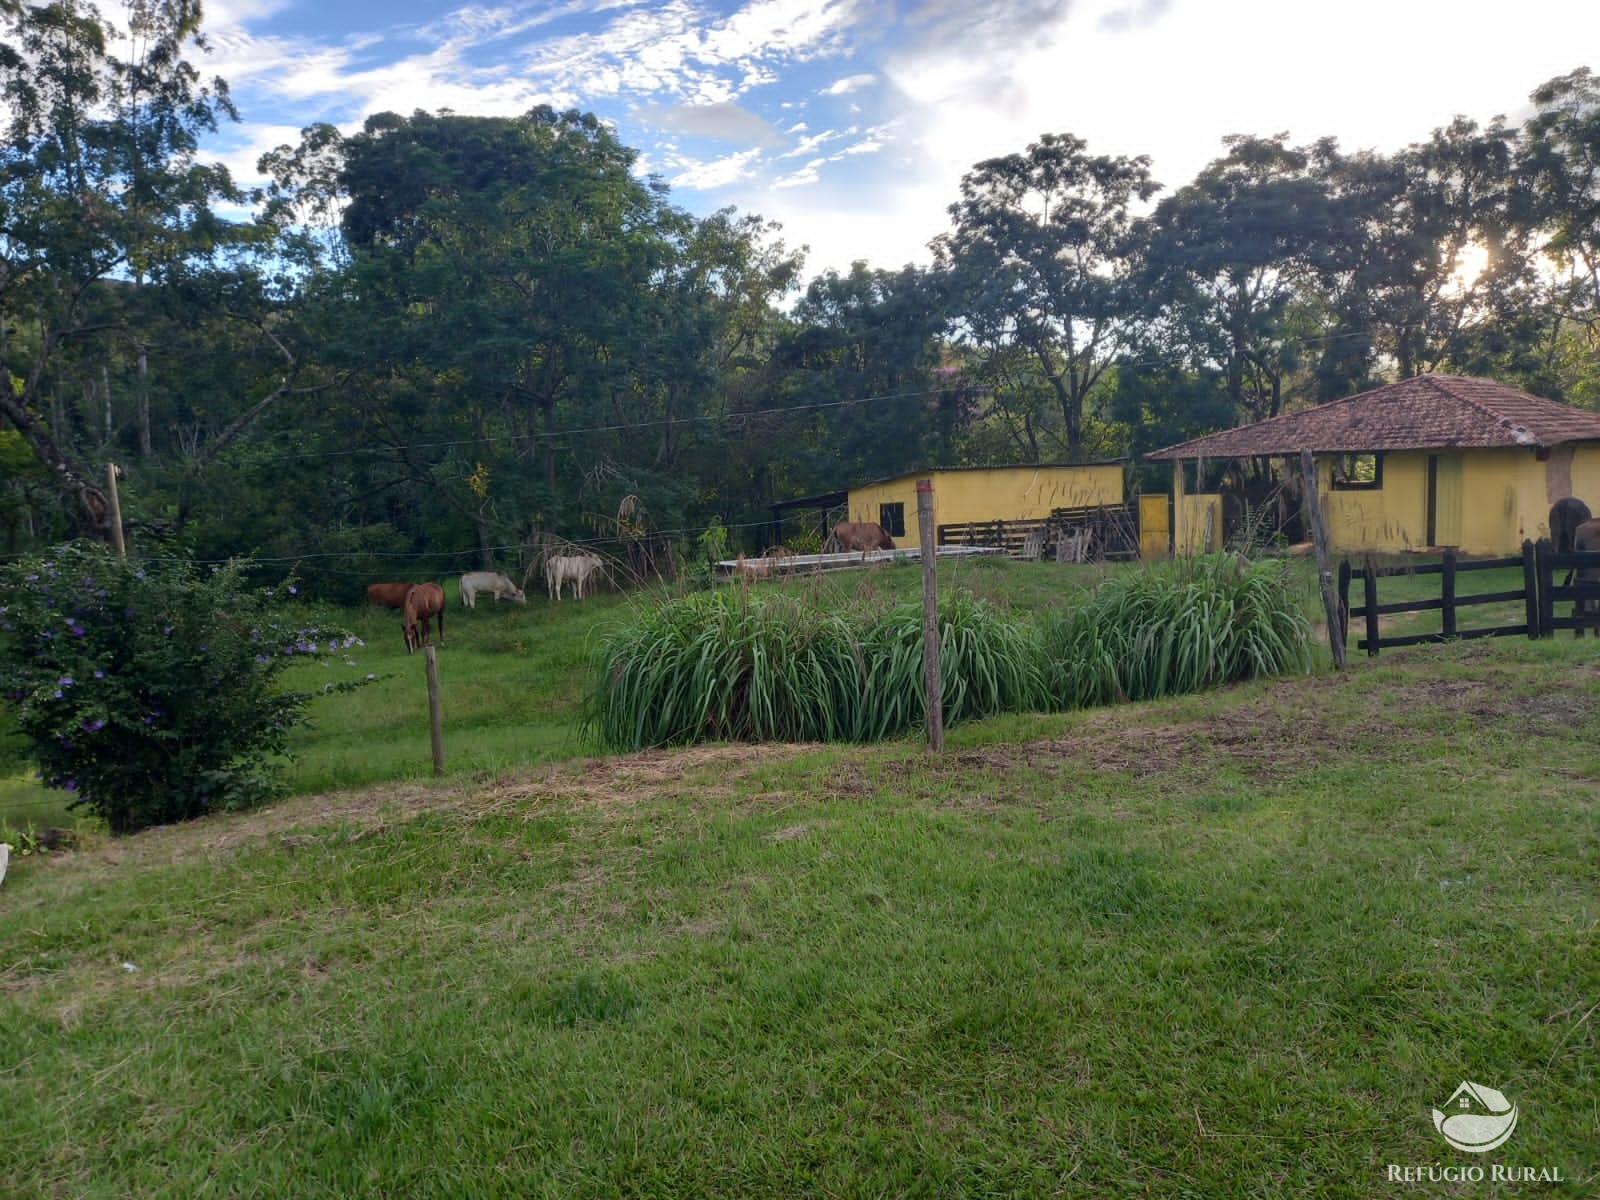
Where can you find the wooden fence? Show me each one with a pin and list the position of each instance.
(1113, 529)
(1538, 594)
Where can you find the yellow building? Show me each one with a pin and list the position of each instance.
(1428, 462)
(976, 495)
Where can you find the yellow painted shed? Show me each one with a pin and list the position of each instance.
(964, 495)
(1427, 462)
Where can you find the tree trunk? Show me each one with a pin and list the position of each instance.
(145, 449)
(71, 478)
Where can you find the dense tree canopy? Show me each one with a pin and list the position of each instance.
(450, 336)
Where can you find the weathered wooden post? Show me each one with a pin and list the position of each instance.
(932, 676)
(435, 712)
(1447, 593)
(116, 510)
(1319, 540)
(1369, 588)
(1533, 590)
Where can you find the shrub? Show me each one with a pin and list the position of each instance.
(149, 690)
(730, 665)
(1177, 627)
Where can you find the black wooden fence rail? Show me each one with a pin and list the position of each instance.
(1449, 603)
(1570, 590)
(1539, 594)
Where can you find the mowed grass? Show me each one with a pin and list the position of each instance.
(1235, 944)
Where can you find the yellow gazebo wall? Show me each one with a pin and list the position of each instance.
(1505, 498)
(992, 493)
(1389, 519)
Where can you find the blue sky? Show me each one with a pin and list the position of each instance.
(852, 121)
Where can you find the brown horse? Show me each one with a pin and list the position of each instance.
(390, 595)
(423, 601)
(857, 535)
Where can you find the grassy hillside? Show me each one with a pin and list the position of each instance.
(1237, 944)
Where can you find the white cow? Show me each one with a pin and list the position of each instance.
(579, 568)
(489, 583)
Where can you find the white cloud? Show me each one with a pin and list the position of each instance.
(717, 173)
(725, 122)
(850, 83)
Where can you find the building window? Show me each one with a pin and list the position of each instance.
(1357, 472)
(892, 518)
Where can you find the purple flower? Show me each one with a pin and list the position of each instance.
(99, 674)
(95, 726)
(30, 578)
(71, 785)
(293, 591)
(65, 681)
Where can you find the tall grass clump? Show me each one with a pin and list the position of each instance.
(1177, 627)
(729, 665)
(989, 663)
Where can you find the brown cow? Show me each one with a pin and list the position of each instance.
(423, 601)
(390, 595)
(857, 535)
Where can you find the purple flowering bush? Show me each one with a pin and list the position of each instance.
(150, 689)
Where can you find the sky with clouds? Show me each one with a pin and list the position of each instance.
(851, 122)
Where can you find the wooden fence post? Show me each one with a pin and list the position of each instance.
(116, 510)
(435, 713)
(1319, 538)
(932, 673)
(1541, 611)
(1447, 592)
(1369, 582)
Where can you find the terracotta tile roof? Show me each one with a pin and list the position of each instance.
(1426, 412)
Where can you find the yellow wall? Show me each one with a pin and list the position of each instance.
(1389, 519)
(1505, 498)
(1191, 510)
(991, 494)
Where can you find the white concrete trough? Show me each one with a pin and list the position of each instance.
(801, 564)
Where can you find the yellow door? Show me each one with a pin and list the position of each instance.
(1155, 530)
(1444, 499)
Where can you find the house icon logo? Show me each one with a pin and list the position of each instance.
(1476, 1118)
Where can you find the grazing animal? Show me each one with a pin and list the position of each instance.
(424, 601)
(858, 535)
(1586, 540)
(489, 583)
(390, 595)
(1566, 514)
(580, 569)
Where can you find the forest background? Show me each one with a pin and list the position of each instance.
(431, 344)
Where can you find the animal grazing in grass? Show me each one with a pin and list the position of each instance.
(857, 535)
(390, 595)
(580, 569)
(423, 602)
(1566, 514)
(489, 583)
(1586, 540)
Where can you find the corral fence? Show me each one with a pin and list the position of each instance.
(1093, 532)
(1539, 594)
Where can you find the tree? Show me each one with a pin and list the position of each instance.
(100, 187)
(1039, 264)
(1233, 266)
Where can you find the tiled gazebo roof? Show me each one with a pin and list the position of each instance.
(1426, 412)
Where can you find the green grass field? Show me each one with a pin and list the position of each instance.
(1238, 944)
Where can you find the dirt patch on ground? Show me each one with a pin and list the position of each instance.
(1278, 730)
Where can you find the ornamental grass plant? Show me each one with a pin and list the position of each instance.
(763, 665)
(1178, 627)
